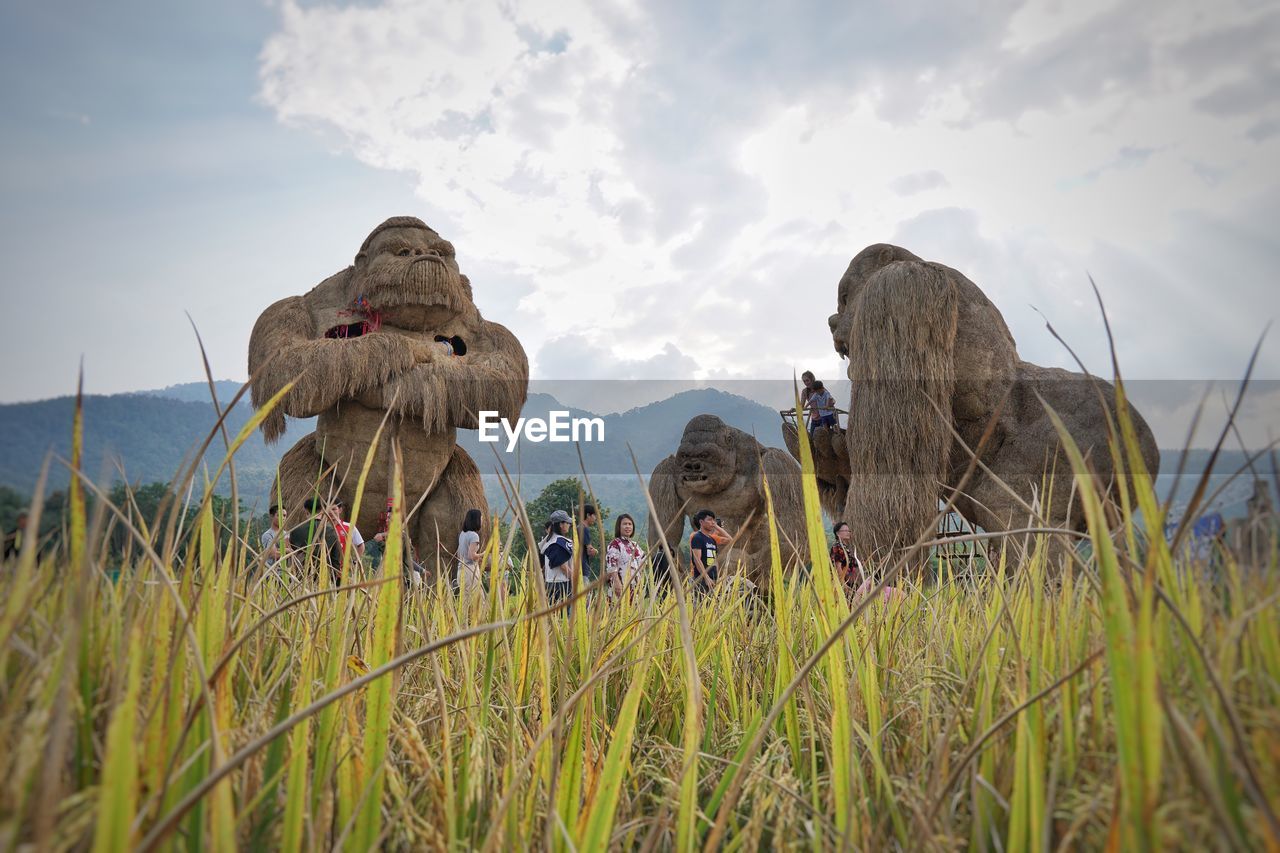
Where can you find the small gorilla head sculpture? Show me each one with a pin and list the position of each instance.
(707, 456)
(720, 468)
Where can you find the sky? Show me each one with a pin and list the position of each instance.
(656, 190)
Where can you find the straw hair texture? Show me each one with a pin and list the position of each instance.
(902, 346)
(396, 335)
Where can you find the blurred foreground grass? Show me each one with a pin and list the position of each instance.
(1129, 700)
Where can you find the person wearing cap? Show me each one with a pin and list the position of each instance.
(703, 547)
(556, 549)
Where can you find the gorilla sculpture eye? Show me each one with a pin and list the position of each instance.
(404, 253)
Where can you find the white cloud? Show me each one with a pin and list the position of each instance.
(680, 187)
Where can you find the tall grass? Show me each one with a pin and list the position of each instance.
(1129, 699)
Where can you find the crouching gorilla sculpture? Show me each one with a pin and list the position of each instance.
(397, 331)
(922, 339)
(720, 468)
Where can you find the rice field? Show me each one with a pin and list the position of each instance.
(1128, 699)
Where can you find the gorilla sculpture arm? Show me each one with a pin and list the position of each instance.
(286, 346)
(670, 509)
(830, 464)
(787, 495)
(785, 488)
(903, 375)
(494, 377)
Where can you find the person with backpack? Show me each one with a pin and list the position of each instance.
(556, 552)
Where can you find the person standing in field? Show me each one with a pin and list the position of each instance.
(587, 552)
(13, 539)
(556, 550)
(703, 548)
(315, 539)
(346, 530)
(470, 581)
(623, 558)
(271, 537)
(718, 533)
(844, 558)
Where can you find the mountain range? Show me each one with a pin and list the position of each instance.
(148, 436)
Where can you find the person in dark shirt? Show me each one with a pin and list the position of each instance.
(315, 533)
(13, 539)
(703, 548)
(587, 551)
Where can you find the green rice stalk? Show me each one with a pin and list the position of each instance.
(119, 781)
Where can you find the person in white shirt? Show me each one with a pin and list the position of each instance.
(623, 558)
(345, 529)
(556, 549)
(470, 581)
(271, 537)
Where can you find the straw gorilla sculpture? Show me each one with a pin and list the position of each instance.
(397, 331)
(718, 467)
(923, 339)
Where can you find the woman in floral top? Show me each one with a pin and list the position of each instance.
(844, 558)
(623, 558)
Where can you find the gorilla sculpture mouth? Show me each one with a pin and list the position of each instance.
(697, 467)
(418, 293)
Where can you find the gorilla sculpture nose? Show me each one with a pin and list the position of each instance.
(833, 321)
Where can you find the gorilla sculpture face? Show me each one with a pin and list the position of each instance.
(866, 263)
(409, 276)
(706, 458)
